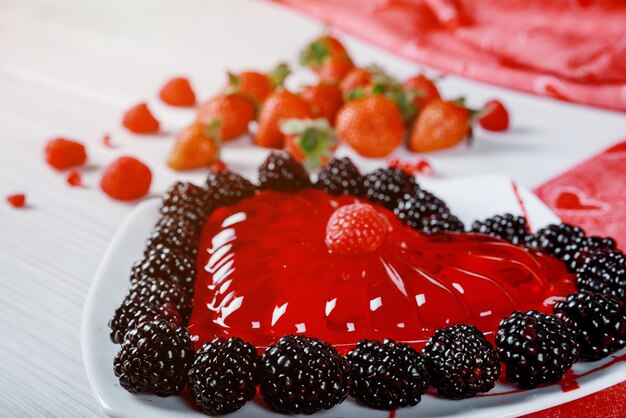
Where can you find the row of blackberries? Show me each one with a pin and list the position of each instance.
(299, 374)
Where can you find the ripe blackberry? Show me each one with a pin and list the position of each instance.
(386, 186)
(603, 272)
(186, 200)
(462, 363)
(340, 176)
(281, 172)
(600, 322)
(387, 375)
(129, 315)
(417, 209)
(554, 238)
(303, 375)
(223, 376)
(154, 358)
(177, 233)
(166, 265)
(442, 222)
(575, 252)
(508, 227)
(159, 293)
(536, 348)
(227, 188)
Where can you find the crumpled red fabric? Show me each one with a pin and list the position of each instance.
(573, 50)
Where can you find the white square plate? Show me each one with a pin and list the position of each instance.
(470, 198)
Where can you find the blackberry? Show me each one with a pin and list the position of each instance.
(223, 376)
(387, 375)
(129, 315)
(340, 176)
(600, 322)
(158, 293)
(443, 222)
(603, 272)
(554, 238)
(575, 252)
(186, 200)
(166, 265)
(536, 348)
(416, 210)
(303, 375)
(177, 233)
(508, 227)
(227, 188)
(154, 358)
(386, 186)
(281, 172)
(462, 363)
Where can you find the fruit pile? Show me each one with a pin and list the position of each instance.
(302, 374)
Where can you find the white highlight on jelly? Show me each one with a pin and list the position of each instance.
(420, 299)
(278, 312)
(376, 303)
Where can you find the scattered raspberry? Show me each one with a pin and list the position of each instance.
(74, 179)
(494, 116)
(139, 120)
(63, 153)
(126, 179)
(356, 229)
(106, 141)
(17, 200)
(178, 92)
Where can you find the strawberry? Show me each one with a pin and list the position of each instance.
(64, 153)
(357, 78)
(279, 106)
(372, 125)
(328, 58)
(424, 89)
(325, 100)
(334, 70)
(178, 92)
(195, 146)
(310, 142)
(356, 229)
(17, 200)
(140, 120)
(257, 85)
(441, 124)
(494, 116)
(126, 178)
(234, 112)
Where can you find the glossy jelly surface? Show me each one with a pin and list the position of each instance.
(264, 271)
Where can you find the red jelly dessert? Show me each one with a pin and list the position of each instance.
(264, 270)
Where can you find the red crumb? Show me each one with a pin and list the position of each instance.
(17, 200)
(418, 167)
(178, 92)
(218, 167)
(106, 141)
(63, 153)
(126, 178)
(140, 120)
(74, 179)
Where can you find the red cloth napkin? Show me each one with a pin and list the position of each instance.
(573, 50)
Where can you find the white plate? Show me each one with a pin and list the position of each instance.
(470, 198)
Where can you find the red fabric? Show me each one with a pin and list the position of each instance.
(573, 50)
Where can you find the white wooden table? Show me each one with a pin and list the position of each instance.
(71, 67)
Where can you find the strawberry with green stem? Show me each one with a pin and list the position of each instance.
(328, 58)
(257, 85)
(233, 111)
(196, 146)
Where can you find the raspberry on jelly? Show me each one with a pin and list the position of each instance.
(356, 229)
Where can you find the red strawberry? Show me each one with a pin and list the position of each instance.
(234, 112)
(126, 178)
(424, 88)
(372, 125)
(325, 100)
(280, 105)
(494, 116)
(63, 153)
(196, 146)
(310, 142)
(441, 124)
(178, 92)
(257, 85)
(357, 78)
(17, 200)
(328, 58)
(356, 229)
(334, 70)
(139, 120)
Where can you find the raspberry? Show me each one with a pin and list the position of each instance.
(281, 172)
(186, 200)
(165, 264)
(178, 92)
(442, 222)
(154, 358)
(74, 179)
(227, 188)
(177, 233)
(494, 116)
(387, 375)
(303, 375)
(161, 294)
(340, 176)
(356, 229)
(600, 322)
(224, 376)
(416, 210)
(508, 227)
(536, 348)
(139, 120)
(126, 178)
(462, 362)
(554, 238)
(63, 153)
(130, 315)
(17, 200)
(386, 186)
(603, 272)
